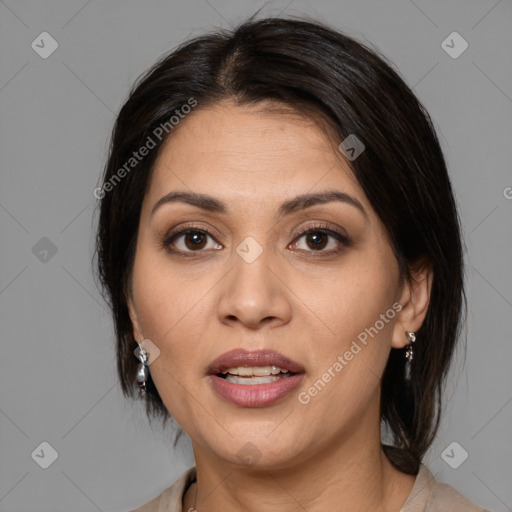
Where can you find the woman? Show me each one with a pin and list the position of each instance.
(281, 249)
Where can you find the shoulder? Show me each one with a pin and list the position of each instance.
(429, 495)
(446, 498)
(170, 499)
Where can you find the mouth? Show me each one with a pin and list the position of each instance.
(257, 363)
(246, 375)
(254, 379)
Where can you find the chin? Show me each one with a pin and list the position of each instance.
(258, 451)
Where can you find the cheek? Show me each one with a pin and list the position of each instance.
(170, 311)
(173, 317)
(352, 296)
(356, 308)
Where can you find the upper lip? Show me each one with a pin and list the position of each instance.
(240, 357)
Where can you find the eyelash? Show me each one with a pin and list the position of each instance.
(320, 228)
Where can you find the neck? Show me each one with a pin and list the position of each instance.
(353, 475)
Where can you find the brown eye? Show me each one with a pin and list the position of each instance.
(195, 240)
(189, 240)
(317, 240)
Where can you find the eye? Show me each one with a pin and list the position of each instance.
(189, 240)
(316, 239)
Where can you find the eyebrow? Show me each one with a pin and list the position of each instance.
(211, 204)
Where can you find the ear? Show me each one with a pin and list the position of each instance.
(414, 299)
(137, 330)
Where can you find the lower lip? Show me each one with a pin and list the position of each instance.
(255, 395)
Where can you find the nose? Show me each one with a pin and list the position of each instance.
(255, 294)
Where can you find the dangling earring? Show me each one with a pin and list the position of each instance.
(142, 371)
(409, 354)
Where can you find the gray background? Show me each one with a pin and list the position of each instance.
(57, 375)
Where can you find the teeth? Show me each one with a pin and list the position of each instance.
(256, 371)
(235, 379)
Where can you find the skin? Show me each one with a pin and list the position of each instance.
(324, 455)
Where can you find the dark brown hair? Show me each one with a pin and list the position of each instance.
(306, 65)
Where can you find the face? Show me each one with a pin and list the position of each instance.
(315, 281)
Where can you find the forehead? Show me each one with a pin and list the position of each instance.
(235, 151)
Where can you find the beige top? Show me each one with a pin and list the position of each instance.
(427, 495)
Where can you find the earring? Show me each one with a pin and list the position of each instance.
(409, 354)
(142, 371)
